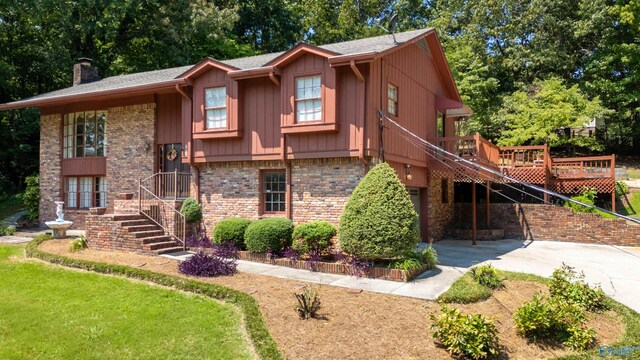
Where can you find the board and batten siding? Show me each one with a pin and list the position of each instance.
(261, 105)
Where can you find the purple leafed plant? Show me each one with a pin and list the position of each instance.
(227, 250)
(314, 257)
(360, 267)
(201, 264)
(291, 254)
(199, 240)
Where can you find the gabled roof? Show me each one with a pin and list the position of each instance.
(160, 79)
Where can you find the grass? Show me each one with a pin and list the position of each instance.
(10, 206)
(633, 172)
(465, 290)
(263, 343)
(50, 312)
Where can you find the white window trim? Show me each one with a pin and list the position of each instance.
(307, 100)
(213, 108)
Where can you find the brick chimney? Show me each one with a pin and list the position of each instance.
(84, 72)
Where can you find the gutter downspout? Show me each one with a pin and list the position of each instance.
(287, 165)
(195, 169)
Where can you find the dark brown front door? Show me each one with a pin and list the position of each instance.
(171, 159)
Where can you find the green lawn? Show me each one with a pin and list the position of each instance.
(53, 313)
(10, 206)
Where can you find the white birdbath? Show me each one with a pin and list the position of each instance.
(60, 225)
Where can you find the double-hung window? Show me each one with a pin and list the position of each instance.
(392, 99)
(85, 192)
(84, 134)
(308, 99)
(274, 191)
(216, 107)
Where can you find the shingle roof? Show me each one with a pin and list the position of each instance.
(374, 44)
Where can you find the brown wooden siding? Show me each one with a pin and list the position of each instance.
(415, 74)
(84, 166)
(259, 110)
(169, 121)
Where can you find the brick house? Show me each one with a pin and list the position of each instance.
(285, 134)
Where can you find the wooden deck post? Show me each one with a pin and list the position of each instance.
(488, 211)
(613, 175)
(473, 213)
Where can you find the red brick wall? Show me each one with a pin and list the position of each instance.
(550, 222)
(320, 188)
(104, 233)
(440, 214)
(50, 167)
(129, 129)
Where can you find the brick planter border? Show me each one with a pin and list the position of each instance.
(334, 268)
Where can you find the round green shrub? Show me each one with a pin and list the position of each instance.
(379, 221)
(313, 235)
(191, 210)
(231, 230)
(268, 234)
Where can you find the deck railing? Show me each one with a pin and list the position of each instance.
(168, 185)
(523, 156)
(584, 167)
(463, 146)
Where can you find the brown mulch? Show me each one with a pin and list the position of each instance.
(358, 325)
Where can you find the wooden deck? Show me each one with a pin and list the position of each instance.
(529, 164)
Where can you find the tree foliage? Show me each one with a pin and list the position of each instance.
(496, 50)
(378, 221)
(539, 113)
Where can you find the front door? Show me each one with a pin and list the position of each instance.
(173, 182)
(171, 158)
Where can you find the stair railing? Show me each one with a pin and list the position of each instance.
(163, 213)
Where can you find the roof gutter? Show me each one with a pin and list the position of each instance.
(117, 92)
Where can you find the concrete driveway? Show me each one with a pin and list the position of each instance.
(615, 269)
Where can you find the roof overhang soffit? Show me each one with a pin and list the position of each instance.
(205, 65)
(298, 51)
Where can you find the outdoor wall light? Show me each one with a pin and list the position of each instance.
(147, 146)
(407, 171)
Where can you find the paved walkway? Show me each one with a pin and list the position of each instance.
(428, 285)
(614, 268)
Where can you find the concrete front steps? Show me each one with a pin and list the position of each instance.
(128, 232)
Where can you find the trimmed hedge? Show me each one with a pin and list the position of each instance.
(379, 221)
(268, 234)
(312, 236)
(191, 210)
(256, 328)
(231, 230)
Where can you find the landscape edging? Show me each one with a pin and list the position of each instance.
(264, 344)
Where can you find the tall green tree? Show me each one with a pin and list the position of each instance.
(540, 112)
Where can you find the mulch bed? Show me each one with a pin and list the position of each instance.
(357, 325)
